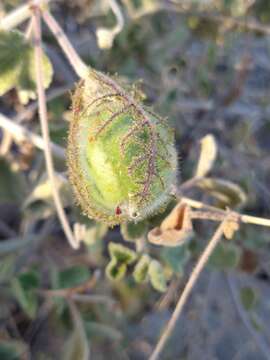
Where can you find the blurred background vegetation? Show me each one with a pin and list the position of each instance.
(205, 66)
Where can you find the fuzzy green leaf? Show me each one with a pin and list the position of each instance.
(141, 269)
(17, 66)
(122, 254)
(73, 276)
(176, 257)
(157, 276)
(132, 231)
(115, 270)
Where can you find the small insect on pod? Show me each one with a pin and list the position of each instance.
(121, 157)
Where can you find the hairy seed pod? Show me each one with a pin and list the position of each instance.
(121, 157)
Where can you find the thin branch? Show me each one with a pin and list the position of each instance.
(45, 131)
(247, 219)
(261, 344)
(20, 14)
(20, 133)
(74, 59)
(67, 292)
(188, 288)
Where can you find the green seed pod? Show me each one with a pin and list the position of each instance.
(121, 157)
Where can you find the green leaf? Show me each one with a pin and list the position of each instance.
(17, 66)
(176, 258)
(141, 269)
(132, 231)
(157, 276)
(73, 276)
(225, 256)
(249, 298)
(116, 270)
(23, 288)
(122, 254)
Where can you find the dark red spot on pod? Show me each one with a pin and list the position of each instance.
(118, 210)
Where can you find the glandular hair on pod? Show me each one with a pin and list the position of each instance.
(121, 157)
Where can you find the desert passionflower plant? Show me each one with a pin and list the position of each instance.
(121, 157)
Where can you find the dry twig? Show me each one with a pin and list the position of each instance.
(45, 131)
(188, 288)
(21, 133)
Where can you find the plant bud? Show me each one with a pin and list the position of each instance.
(121, 157)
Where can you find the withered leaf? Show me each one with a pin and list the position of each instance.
(175, 230)
(230, 227)
(226, 192)
(207, 156)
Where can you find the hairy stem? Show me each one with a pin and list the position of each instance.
(76, 62)
(45, 131)
(188, 288)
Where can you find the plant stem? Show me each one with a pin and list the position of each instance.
(247, 219)
(19, 15)
(76, 62)
(188, 288)
(119, 16)
(45, 131)
(20, 133)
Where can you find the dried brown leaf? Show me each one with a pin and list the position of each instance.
(229, 229)
(207, 156)
(175, 229)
